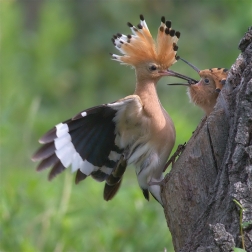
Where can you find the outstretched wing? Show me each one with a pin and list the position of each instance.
(86, 142)
(89, 142)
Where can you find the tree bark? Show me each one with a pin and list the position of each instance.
(214, 169)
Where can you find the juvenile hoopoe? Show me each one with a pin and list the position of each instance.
(101, 141)
(204, 93)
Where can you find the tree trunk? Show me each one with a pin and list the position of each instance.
(215, 169)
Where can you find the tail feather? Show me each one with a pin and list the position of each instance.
(111, 190)
(99, 175)
(114, 180)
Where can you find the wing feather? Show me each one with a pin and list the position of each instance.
(44, 152)
(87, 142)
(57, 169)
(84, 142)
(48, 162)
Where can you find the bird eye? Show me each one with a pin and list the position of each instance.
(153, 67)
(206, 81)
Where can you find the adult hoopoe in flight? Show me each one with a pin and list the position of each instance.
(102, 141)
(204, 93)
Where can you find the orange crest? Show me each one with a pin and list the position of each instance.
(141, 47)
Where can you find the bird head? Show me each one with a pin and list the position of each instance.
(212, 79)
(150, 58)
(204, 92)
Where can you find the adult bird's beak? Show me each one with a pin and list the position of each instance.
(188, 63)
(181, 84)
(190, 80)
(169, 72)
(181, 76)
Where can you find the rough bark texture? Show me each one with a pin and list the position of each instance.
(214, 169)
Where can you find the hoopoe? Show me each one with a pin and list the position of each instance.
(102, 141)
(204, 93)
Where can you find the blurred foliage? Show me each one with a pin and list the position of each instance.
(55, 63)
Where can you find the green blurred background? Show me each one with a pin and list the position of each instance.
(54, 63)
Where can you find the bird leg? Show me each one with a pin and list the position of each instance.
(176, 154)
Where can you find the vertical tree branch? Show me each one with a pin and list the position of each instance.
(214, 169)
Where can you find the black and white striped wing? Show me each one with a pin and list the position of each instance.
(85, 142)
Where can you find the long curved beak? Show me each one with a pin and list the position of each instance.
(180, 84)
(188, 63)
(191, 81)
(181, 76)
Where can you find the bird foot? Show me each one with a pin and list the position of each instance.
(176, 154)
